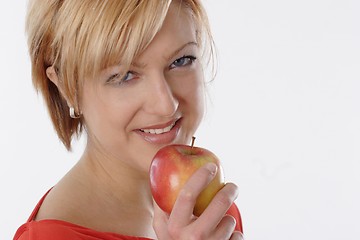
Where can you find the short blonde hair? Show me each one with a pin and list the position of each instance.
(81, 37)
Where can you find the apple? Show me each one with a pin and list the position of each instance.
(170, 169)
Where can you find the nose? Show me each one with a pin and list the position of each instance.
(161, 98)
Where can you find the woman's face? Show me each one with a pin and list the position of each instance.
(158, 102)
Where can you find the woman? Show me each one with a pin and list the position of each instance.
(130, 74)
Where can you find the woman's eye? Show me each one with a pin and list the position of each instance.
(128, 76)
(124, 78)
(183, 61)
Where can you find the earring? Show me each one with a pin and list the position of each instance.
(73, 114)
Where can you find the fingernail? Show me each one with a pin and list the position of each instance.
(211, 167)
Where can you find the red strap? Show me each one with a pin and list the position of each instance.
(36, 210)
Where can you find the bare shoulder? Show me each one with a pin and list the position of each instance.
(59, 204)
(67, 199)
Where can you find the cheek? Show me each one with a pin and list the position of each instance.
(197, 101)
(105, 112)
(191, 93)
(194, 89)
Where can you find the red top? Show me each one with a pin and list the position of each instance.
(62, 230)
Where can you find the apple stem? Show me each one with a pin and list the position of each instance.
(192, 142)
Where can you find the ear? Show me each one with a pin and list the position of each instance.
(52, 75)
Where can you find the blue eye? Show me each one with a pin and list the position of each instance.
(183, 61)
(124, 78)
(128, 76)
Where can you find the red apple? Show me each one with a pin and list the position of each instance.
(170, 169)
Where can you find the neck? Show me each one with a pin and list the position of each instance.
(119, 191)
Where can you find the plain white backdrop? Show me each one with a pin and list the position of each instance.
(284, 118)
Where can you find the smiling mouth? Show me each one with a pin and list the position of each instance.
(161, 134)
(158, 130)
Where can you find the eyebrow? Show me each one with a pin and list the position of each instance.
(180, 49)
(172, 55)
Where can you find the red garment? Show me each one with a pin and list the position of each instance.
(61, 230)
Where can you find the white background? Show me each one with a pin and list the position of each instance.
(284, 118)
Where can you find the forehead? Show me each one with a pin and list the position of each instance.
(178, 20)
(177, 30)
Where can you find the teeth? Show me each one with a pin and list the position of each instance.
(158, 131)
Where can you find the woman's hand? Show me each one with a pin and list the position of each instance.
(213, 222)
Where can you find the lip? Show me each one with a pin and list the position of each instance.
(163, 138)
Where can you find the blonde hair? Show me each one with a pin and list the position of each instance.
(81, 37)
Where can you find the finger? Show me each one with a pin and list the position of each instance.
(160, 223)
(182, 212)
(237, 236)
(225, 228)
(218, 207)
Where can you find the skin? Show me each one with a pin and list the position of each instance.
(111, 181)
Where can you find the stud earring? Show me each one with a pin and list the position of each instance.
(73, 114)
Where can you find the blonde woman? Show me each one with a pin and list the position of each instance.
(129, 74)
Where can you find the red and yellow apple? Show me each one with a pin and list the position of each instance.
(171, 168)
